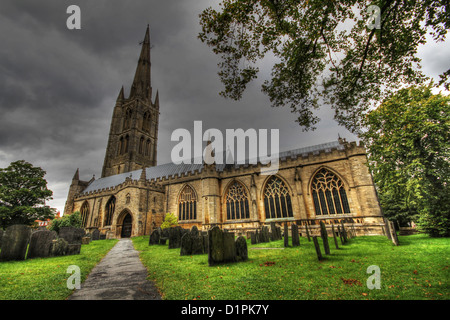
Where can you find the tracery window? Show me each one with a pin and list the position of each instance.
(237, 202)
(277, 200)
(84, 211)
(187, 204)
(328, 193)
(109, 210)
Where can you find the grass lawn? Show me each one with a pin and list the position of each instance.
(46, 278)
(417, 269)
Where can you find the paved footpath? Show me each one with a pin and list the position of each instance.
(120, 275)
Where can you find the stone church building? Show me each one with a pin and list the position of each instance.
(329, 182)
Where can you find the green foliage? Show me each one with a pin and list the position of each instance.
(323, 49)
(170, 220)
(70, 220)
(408, 147)
(23, 192)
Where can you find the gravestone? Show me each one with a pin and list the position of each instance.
(194, 231)
(253, 238)
(229, 247)
(317, 247)
(59, 247)
(15, 242)
(221, 246)
(74, 237)
(41, 243)
(344, 232)
(334, 236)
(307, 232)
(241, 249)
(175, 234)
(85, 240)
(286, 235)
(265, 234)
(340, 234)
(295, 235)
(186, 244)
(155, 237)
(102, 236)
(198, 244)
(324, 235)
(95, 235)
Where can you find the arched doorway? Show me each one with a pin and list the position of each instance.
(127, 226)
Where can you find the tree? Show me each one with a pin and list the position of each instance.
(68, 220)
(330, 50)
(23, 193)
(170, 220)
(408, 148)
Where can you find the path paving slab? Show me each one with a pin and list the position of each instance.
(120, 275)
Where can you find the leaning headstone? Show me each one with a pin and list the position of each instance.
(41, 243)
(324, 235)
(186, 244)
(295, 236)
(15, 242)
(241, 249)
(334, 236)
(340, 235)
(307, 231)
(344, 232)
(317, 247)
(286, 235)
(95, 235)
(59, 247)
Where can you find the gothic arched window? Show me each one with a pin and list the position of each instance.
(187, 204)
(141, 146)
(84, 211)
(147, 147)
(237, 202)
(277, 200)
(328, 193)
(109, 210)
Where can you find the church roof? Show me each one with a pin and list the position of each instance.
(172, 170)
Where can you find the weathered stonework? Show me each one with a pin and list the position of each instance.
(147, 192)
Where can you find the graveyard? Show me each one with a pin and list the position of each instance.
(188, 264)
(417, 269)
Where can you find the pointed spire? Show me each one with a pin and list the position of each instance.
(142, 83)
(76, 176)
(143, 176)
(157, 99)
(121, 95)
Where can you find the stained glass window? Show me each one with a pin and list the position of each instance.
(277, 200)
(328, 193)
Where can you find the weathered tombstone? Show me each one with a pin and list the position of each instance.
(229, 247)
(194, 231)
(215, 246)
(15, 242)
(186, 244)
(344, 232)
(59, 247)
(307, 231)
(334, 236)
(95, 235)
(253, 238)
(197, 244)
(265, 234)
(155, 237)
(74, 237)
(295, 236)
(317, 247)
(162, 240)
(41, 243)
(241, 249)
(340, 235)
(102, 237)
(324, 235)
(175, 234)
(286, 235)
(85, 240)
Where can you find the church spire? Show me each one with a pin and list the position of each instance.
(141, 86)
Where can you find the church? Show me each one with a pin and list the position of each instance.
(329, 182)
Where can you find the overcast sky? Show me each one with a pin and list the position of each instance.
(58, 87)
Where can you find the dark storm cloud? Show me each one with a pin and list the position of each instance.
(58, 87)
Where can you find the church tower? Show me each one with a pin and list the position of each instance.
(133, 134)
